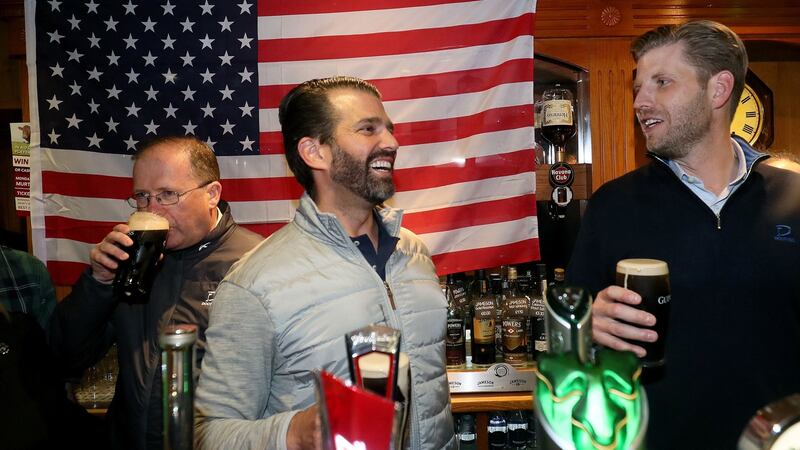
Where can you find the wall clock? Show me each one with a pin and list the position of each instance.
(753, 120)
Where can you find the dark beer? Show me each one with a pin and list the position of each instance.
(135, 275)
(650, 279)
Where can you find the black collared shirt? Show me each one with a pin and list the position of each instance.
(386, 245)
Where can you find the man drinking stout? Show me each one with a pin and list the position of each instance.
(719, 217)
(176, 178)
(135, 274)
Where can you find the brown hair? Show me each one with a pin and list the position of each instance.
(710, 47)
(306, 111)
(202, 159)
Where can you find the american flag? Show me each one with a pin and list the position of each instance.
(456, 78)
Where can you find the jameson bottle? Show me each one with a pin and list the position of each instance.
(466, 432)
(515, 313)
(498, 430)
(538, 311)
(497, 284)
(455, 349)
(483, 310)
(517, 430)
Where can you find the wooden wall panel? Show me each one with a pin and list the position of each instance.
(782, 77)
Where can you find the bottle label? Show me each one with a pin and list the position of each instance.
(557, 112)
(517, 307)
(484, 308)
(517, 426)
(455, 331)
(466, 436)
(483, 330)
(460, 295)
(496, 429)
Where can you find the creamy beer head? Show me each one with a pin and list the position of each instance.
(642, 267)
(375, 366)
(147, 221)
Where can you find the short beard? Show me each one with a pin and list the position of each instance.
(357, 177)
(695, 122)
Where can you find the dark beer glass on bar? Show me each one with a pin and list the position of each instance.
(135, 275)
(650, 279)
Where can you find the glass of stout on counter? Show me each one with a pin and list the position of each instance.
(135, 275)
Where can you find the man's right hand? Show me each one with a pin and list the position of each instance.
(105, 255)
(613, 318)
(305, 430)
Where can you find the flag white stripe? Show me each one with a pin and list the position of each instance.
(465, 193)
(387, 20)
(481, 236)
(436, 108)
(484, 144)
(395, 66)
(68, 250)
(92, 163)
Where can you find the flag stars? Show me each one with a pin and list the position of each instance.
(189, 127)
(133, 77)
(73, 122)
(247, 144)
(114, 92)
(152, 127)
(187, 60)
(207, 76)
(74, 56)
(245, 41)
(111, 24)
(247, 110)
(151, 93)
(226, 59)
(170, 110)
(208, 110)
(168, 42)
(58, 71)
(168, 8)
(244, 7)
(113, 59)
(227, 93)
(54, 5)
(206, 7)
(130, 143)
(129, 8)
(94, 141)
(76, 88)
(130, 41)
(246, 75)
(55, 37)
(93, 106)
(188, 94)
(74, 23)
(149, 60)
(53, 102)
(225, 24)
(149, 25)
(169, 77)
(206, 41)
(211, 143)
(92, 7)
(112, 125)
(94, 74)
(227, 127)
(133, 110)
(53, 136)
(94, 41)
(187, 25)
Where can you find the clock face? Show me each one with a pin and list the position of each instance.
(748, 122)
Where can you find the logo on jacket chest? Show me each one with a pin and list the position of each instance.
(783, 233)
(209, 299)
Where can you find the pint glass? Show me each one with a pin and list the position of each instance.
(650, 279)
(135, 275)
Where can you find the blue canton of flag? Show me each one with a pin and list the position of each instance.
(111, 76)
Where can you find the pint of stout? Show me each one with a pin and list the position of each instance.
(135, 275)
(650, 279)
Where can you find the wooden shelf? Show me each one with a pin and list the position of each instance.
(500, 401)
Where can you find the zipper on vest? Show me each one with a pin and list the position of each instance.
(719, 222)
(389, 293)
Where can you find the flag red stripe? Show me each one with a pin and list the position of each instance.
(88, 231)
(428, 85)
(65, 273)
(442, 130)
(86, 185)
(481, 258)
(259, 189)
(394, 42)
(472, 169)
(278, 8)
(264, 229)
(481, 213)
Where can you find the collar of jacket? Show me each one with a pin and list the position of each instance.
(751, 156)
(327, 228)
(211, 241)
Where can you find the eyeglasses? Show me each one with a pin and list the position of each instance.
(141, 200)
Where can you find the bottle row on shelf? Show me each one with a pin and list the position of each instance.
(512, 430)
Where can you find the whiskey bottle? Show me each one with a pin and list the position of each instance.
(455, 349)
(515, 313)
(483, 330)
